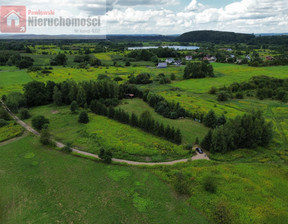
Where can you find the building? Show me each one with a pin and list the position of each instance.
(188, 58)
(162, 65)
(269, 58)
(170, 60)
(178, 62)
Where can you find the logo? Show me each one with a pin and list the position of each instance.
(13, 19)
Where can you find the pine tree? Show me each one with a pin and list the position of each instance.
(210, 119)
(197, 141)
(57, 96)
(207, 141)
(161, 131)
(167, 132)
(93, 106)
(81, 97)
(221, 120)
(83, 117)
(111, 112)
(45, 136)
(73, 107)
(178, 137)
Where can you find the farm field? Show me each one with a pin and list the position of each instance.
(190, 129)
(124, 141)
(39, 185)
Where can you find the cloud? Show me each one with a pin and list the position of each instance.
(194, 5)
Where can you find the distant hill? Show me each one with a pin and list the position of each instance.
(214, 37)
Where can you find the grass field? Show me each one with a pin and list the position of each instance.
(124, 140)
(39, 185)
(189, 128)
(226, 74)
(12, 79)
(251, 192)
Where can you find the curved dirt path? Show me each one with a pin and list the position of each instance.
(13, 139)
(135, 163)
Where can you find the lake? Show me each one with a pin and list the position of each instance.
(173, 47)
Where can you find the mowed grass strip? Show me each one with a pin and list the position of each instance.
(190, 129)
(39, 185)
(124, 141)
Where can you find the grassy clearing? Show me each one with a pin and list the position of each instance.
(124, 140)
(252, 193)
(10, 131)
(189, 128)
(44, 186)
(12, 79)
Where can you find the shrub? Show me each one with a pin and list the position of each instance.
(67, 148)
(24, 114)
(3, 122)
(39, 122)
(83, 117)
(45, 136)
(106, 156)
(209, 185)
(213, 90)
(223, 96)
(4, 114)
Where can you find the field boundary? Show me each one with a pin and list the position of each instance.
(87, 154)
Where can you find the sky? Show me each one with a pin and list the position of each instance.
(174, 16)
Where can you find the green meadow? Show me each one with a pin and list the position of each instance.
(10, 131)
(123, 140)
(40, 185)
(245, 192)
(190, 129)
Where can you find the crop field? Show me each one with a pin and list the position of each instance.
(124, 141)
(39, 185)
(190, 129)
(247, 192)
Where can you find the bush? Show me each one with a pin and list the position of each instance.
(67, 148)
(4, 114)
(83, 117)
(39, 122)
(213, 90)
(223, 96)
(209, 185)
(24, 114)
(45, 136)
(3, 122)
(106, 156)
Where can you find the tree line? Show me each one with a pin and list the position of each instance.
(248, 131)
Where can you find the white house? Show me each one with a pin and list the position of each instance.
(162, 65)
(13, 16)
(170, 60)
(188, 58)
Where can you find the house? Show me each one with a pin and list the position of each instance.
(248, 57)
(239, 61)
(178, 62)
(13, 18)
(269, 58)
(170, 60)
(209, 58)
(232, 56)
(162, 65)
(188, 58)
(229, 49)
